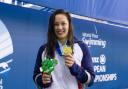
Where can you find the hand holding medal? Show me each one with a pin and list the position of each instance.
(67, 52)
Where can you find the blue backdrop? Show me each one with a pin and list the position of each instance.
(28, 28)
(111, 10)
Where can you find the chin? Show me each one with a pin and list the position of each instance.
(61, 37)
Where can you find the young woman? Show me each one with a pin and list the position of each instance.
(74, 70)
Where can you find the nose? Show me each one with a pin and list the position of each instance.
(60, 26)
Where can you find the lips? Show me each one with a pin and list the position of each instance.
(60, 32)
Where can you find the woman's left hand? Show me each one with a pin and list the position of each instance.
(69, 61)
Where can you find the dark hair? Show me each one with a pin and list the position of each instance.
(51, 37)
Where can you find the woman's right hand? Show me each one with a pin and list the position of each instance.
(46, 78)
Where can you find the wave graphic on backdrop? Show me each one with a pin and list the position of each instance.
(6, 48)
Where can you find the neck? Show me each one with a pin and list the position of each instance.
(62, 41)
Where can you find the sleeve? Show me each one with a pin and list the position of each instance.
(84, 73)
(37, 75)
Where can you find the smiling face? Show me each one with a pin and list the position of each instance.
(61, 26)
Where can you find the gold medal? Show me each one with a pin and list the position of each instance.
(67, 50)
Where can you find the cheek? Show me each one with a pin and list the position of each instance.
(67, 29)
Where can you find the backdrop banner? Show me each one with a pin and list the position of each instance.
(23, 31)
(111, 10)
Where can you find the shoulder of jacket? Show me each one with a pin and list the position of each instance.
(82, 45)
(41, 49)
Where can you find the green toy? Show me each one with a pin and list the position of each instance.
(48, 65)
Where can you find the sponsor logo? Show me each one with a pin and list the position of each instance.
(100, 62)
